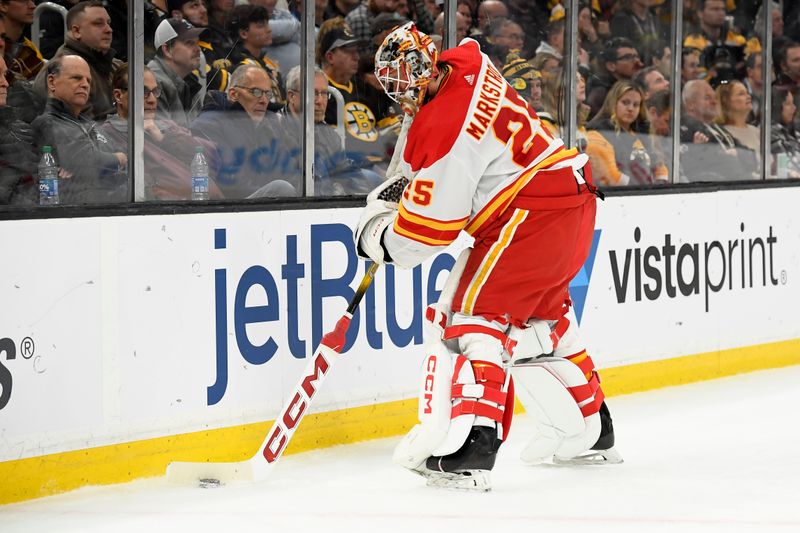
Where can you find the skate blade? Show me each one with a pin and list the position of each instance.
(595, 457)
(472, 480)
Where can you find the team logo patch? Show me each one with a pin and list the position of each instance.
(360, 121)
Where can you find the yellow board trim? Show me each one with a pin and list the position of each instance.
(24, 479)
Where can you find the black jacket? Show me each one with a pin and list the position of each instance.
(82, 151)
(17, 159)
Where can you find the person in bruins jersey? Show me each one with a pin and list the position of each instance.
(369, 123)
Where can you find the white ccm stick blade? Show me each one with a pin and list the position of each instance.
(257, 467)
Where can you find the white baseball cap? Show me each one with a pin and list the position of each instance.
(174, 27)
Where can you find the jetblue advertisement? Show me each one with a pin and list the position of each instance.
(127, 328)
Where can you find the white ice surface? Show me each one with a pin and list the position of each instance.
(714, 456)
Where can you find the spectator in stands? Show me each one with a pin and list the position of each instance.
(177, 55)
(690, 65)
(531, 16)
(95, 170)
(363, 105)
(250, 145)
(651, 81)
(708, 151)
(735, 104)
(334, 173)
(168, 148)
(215, 67)
(89, 36)
(23, 58)
(217, 31)
(714, 37)
(18, 157)
(789, 71)
(525, 79)
(248, 25)
(547, 64)
(620, 61)
(509, 34)
(754, 82)
(620, 147)
(779, 39)
(636, 23)
(553, 111)
(462, 26)
(659, 113)
(285, 30)
(340, 8)
(587, 29)
(488, 10)
(785, 140)
(554, 43)
(660, 56)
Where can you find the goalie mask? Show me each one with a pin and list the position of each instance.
(404, 65)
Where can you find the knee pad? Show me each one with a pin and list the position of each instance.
(564, 404)
(453, 393)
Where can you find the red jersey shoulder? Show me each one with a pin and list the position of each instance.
(439, 122)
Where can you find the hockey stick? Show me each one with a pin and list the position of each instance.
(257, 467)
(209, 474)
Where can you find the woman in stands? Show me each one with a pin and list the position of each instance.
(620, 145)
(168, 147)
(785, 140)
(734, 105)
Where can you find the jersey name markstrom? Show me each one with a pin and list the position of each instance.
(492, 90)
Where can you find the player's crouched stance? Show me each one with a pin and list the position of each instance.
(503, 321)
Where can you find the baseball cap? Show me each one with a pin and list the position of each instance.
(337, 38)
(175, 28)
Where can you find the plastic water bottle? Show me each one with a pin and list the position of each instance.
(48, 178)
(640, 163)
(783, 166)
(199, 170)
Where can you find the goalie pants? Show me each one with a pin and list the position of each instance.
(521, 264)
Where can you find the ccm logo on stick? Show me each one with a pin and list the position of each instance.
(293, 414)
(429, 378)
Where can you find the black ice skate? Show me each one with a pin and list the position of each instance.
(603, 451)
(469, 467)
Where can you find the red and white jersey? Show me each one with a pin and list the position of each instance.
(469, 152)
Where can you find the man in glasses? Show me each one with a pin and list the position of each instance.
(251, 148)
(177, 55)
(621, 61)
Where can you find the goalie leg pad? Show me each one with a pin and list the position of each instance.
(557, 394)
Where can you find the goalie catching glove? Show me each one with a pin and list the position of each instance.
(376, 217)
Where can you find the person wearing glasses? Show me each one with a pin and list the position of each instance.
(250, 143)
(168, 148)
(177, 55)
(620, 62)
(334, 173)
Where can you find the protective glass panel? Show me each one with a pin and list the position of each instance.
(722, 92)
(57, 104)
(784, 82)
(626, 60)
